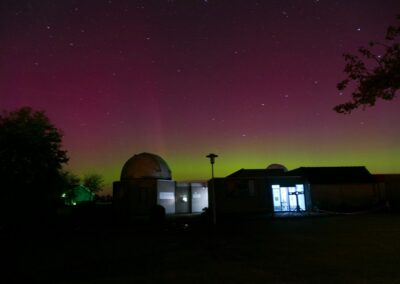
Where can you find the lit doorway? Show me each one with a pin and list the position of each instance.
(288, 198)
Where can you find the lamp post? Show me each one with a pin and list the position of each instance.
(212, 157)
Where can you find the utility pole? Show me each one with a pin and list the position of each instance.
(212, 157)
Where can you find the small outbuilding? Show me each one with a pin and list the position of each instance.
(77, 194)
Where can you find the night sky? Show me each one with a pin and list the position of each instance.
(253, 81)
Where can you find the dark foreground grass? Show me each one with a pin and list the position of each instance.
(336, 249)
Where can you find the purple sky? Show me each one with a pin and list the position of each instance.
(253, 81)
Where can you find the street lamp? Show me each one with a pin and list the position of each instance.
(212, 157)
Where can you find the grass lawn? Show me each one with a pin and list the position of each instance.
(335, 249)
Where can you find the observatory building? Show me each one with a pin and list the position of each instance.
(146, 181)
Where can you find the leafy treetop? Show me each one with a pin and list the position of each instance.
(29, 145)
(381, 81)
(31, 157)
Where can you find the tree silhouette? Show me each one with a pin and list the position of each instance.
(31, 157)
(70, 179)
(94, 182)
(381, 81)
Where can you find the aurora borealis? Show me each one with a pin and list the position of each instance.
(253, 81)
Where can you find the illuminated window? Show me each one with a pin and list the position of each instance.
(288, 198)
(299, 188)
(167, 195)
(276, 195)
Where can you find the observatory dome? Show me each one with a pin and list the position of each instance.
(145, 165)
(277, 167)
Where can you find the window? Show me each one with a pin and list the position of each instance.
(167, 195)
(288, 198)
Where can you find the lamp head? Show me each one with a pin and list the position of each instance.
(212, 157)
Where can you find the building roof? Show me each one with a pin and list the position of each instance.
(257, 173)
(334, 175)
